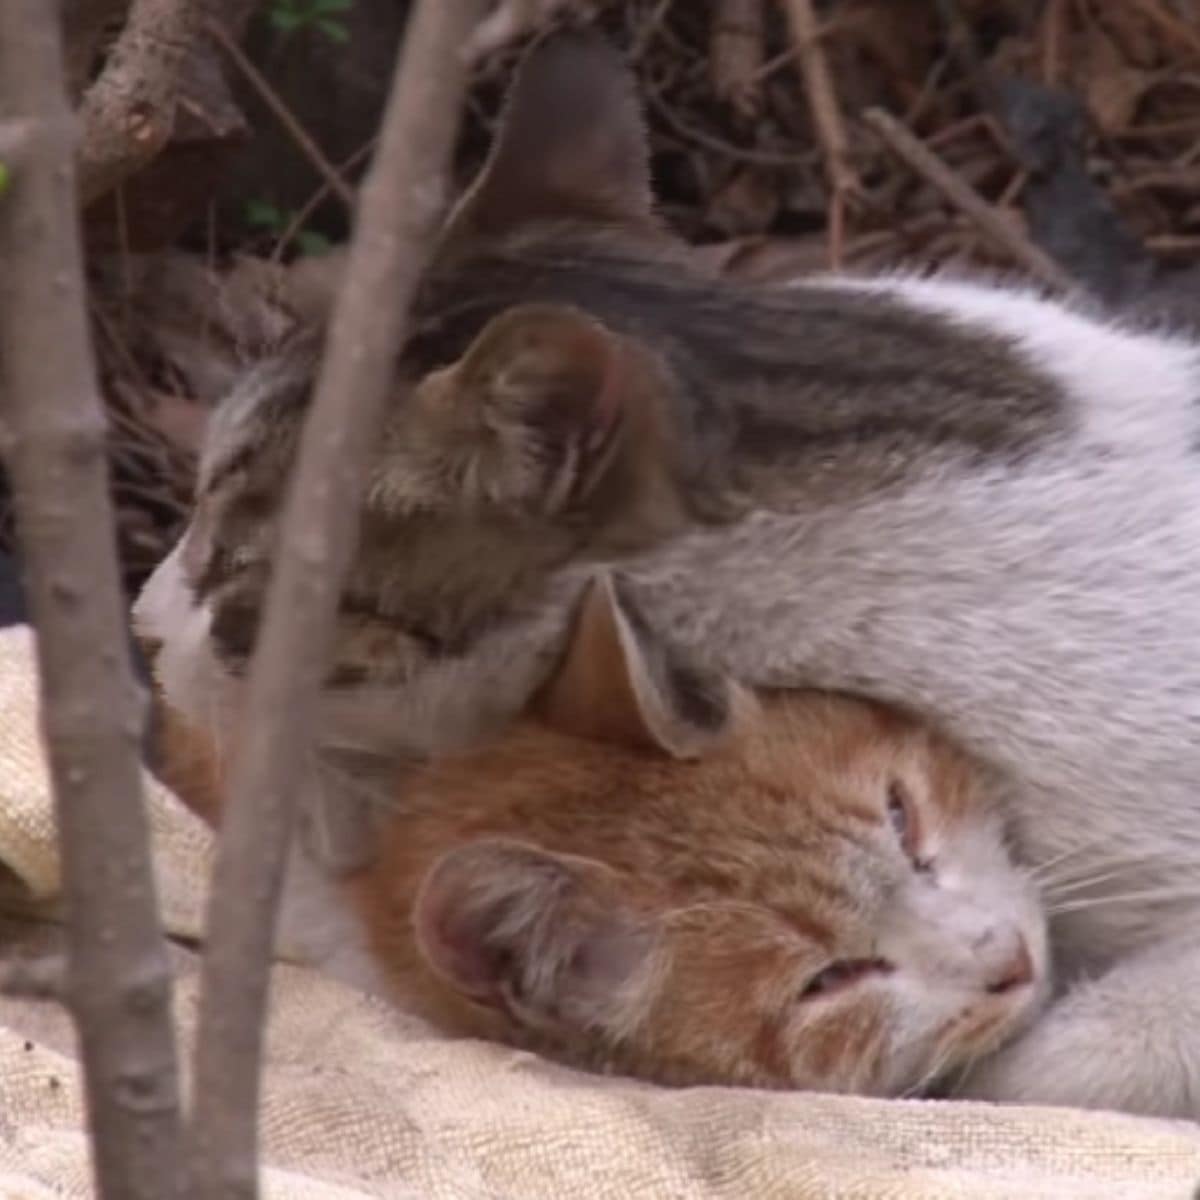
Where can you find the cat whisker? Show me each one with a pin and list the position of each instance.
(1049, 864)
(1051, 873)
(1148, 895)
(1061, 888)
(923, 1082)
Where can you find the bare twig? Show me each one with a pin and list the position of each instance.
(1174, 27)
(400, 200)
(271, 98)
(736, 54)
(968, 201)
(118, 979)
(509, 20)
(306, 210)
(827, 120)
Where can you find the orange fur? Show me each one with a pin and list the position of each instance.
(747, 864)
(185, 759)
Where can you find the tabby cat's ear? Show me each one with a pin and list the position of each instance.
(571, 146)
(619, 683)
(547, 937)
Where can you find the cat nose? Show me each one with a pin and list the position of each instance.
(1015, 973)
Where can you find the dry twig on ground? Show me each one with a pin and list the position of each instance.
(118, 979)
(400, 201)
(991, 222)
(736, 54)
(827, 121)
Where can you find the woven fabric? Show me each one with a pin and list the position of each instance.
(361, 1101)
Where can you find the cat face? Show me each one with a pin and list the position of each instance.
(665, 877)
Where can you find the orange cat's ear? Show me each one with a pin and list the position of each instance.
(544, 936)
(619, 683)
(571, 145)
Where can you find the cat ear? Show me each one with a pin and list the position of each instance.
(550, 386)
(545, 936)
(571, 145)
(619, 683)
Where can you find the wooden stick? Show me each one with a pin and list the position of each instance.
(827, 120)
(401, 199)
(129, 112)
(989, 220)
(117, 983)
(1173, 26)
(735, 56)
(271, 98)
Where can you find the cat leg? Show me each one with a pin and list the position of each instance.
(1128, 1040)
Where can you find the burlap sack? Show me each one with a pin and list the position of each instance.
(363, 1102)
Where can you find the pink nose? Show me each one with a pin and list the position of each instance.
(1015, 973)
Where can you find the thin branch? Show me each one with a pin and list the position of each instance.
(509, 20)
(401, 200)
(271, 98)
(736, 42)
(988, 219)
(118, 975)
(1174, 27)
(306, 210)
(827, 120)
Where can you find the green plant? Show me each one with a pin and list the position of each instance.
(291, 16)
(4, 178)
(261, 214)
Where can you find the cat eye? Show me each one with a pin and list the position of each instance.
(843, 974)
(903, 817)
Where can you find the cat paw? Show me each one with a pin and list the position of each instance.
(1093, 1051)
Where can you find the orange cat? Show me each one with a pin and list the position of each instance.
(657, 874)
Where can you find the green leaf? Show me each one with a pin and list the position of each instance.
(333, 31)
(5, 176)
(262, 214)
(286, 21)
(326, 7)
(312, 242)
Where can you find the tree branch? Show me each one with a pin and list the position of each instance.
(118, 980)
(827, 120)
(400, 200)
(129, 111)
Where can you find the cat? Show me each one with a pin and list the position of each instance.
(823, 899)
(965, 500)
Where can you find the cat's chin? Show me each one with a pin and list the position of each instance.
(992, 1025)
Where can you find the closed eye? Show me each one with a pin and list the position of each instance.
(902, 813)
(843, 974)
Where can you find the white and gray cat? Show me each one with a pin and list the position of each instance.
(966, 500)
